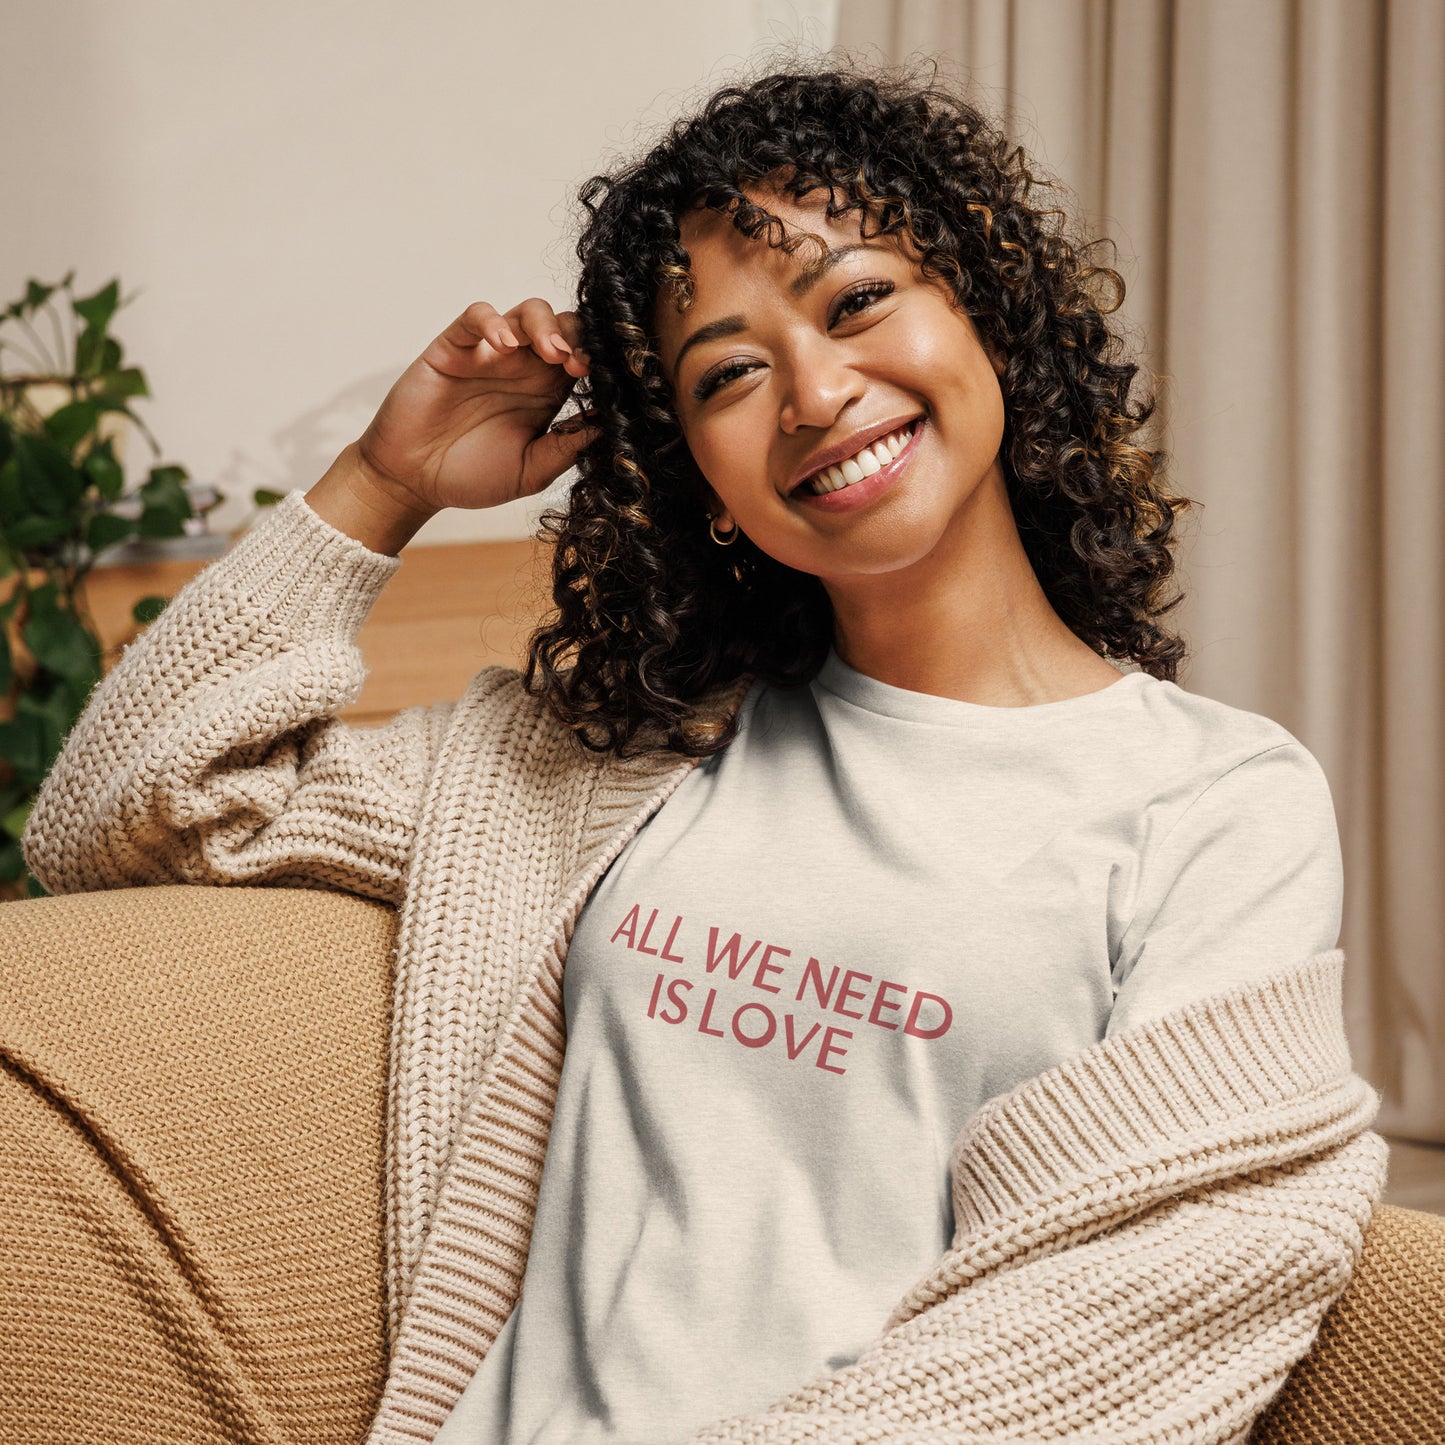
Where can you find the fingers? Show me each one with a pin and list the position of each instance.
(482, 333)
(554, 337)
(480, 322)
(553, 452)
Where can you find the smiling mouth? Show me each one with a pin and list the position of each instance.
(865, 463)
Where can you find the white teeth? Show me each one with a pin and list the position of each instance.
(871, 459)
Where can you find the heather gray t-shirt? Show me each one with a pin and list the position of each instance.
(875, 910)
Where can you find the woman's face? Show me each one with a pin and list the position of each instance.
(778, 367)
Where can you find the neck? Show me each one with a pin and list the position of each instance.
(969, 620)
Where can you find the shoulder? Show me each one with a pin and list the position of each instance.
(497, 712)
(1213, 746)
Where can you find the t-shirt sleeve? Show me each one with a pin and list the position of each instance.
(1248, 881)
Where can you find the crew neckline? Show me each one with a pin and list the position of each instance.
(855, 687)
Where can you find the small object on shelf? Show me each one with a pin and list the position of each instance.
(197, 541)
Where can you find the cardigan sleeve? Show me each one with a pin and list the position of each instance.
(1249, 876)
(1149, 1237)
(210, 752)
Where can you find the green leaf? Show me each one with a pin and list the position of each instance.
(166, 482)
(67, 426)
(97, 310)
(36, 295)
(12, 862)
(13, 822)
(7, 667)
(51, 484)
(148, 609)
(105, 529)
(60, 642)
(125, 383)
(90, 352)
(35, 530)
(45, 598)
(12, 493)
(71, 697)
(264, 498)
(166, 505)
(22, 745)
(101, 467)
(97, 354)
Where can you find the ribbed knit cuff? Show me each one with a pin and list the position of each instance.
(314, 576)
(1251, 1051)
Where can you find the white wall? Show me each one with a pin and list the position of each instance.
(301, 195)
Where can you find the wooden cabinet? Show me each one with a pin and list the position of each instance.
(451, 609)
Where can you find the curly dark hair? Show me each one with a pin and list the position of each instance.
(650, 615)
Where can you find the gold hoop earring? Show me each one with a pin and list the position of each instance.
(725, 541)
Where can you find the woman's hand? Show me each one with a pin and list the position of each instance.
(466, 424)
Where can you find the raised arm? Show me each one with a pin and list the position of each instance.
(211, 752)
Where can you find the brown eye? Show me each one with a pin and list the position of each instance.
(717, 377)
(866, 294)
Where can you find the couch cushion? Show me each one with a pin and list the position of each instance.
(192, 1155)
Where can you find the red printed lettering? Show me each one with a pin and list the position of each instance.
(765, 967)
(796, 1045)
(879, 1002)
(646, 934)
(829, 1047)
(729, 950)
(628, 927)
(848, 991)
(762, 1039)
(814, 971)
(679, 1004)
(702, 1027)
(666, 947)
(910, 1026)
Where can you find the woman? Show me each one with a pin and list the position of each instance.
(950, 1017)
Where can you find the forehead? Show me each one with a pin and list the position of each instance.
(716, 247)
(726, 265)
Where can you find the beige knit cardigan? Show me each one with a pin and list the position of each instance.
(1148, 1235)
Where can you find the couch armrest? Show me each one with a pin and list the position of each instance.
(1376, 1371)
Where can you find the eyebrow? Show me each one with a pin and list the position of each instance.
(731, 325)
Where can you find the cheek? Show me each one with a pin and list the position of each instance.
(728, 454)
(964, 382)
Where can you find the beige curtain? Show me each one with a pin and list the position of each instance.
(1274, 174)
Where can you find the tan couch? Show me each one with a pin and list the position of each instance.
(191, 1126)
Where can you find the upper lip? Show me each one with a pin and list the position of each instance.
(850, 446)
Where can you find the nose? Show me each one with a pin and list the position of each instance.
(820, 382)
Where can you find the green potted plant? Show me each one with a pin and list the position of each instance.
(65, 407)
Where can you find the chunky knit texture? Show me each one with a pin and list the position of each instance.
(1148, 1235)
(191, 1141)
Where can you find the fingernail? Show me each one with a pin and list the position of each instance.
(557, 341)
(508, 337)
